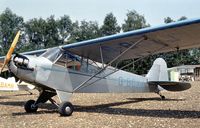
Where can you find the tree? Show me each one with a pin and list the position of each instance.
(10, 23)
(134, 21)
(87, 30)
(195, 53)
(182, 18)
(168, 20)
(35, 31)
(51, 33)
(65, 28)
(179, 57)
(110, 25)
(43, 33)
(75, 34)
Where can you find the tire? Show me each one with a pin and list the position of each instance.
(30, 107)
(162, 97)
(66, 109)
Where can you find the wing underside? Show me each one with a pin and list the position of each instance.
(169, 37)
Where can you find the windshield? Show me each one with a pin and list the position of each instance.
(52, 54)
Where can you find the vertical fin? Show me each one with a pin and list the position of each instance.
(158, 71)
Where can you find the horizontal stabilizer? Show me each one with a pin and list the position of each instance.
(171, 86)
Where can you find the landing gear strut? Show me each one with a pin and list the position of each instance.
(32, 106)
(161, 96)
(156, 89)
(65, 108)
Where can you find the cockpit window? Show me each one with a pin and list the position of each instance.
(52, 54)
(77, 63)
(70, 61)
(73, 62)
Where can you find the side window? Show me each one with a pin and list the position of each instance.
(77, 63)
(70, 61)
(74, 64)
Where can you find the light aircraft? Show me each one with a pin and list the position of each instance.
(86, 66)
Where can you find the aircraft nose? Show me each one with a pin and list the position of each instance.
(20, 66)
(19, 63)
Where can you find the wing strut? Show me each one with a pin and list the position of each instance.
(101, 70)
(101, 57)
(115, 70)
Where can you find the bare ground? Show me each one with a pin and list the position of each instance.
(179, 110)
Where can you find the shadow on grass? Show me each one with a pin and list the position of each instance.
(4, 97)
(108, 109)
(16, 95)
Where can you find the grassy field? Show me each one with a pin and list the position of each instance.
(179, 110)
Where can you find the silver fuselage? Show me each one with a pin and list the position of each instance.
(46, 74)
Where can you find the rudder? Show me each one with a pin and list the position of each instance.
(158, 71)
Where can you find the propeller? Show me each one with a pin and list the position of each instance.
(10, 51)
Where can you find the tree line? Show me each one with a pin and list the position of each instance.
(39, 33)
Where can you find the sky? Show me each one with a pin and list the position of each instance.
(154, 11)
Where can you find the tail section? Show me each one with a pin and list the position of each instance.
(158, 71)
(158, 76)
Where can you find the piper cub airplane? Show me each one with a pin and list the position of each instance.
(86, 66)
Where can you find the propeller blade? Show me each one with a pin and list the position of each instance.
(11, 50)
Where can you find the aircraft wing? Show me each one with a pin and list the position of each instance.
(168, 37)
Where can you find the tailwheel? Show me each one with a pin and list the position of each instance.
(162, 97)
(66, 109)
(157, 91)
(30, 106)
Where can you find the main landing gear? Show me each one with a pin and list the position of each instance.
(30, 106)
(65, 108)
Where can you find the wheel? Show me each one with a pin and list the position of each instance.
(30, 107)
(163, 97)
(66, 109)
